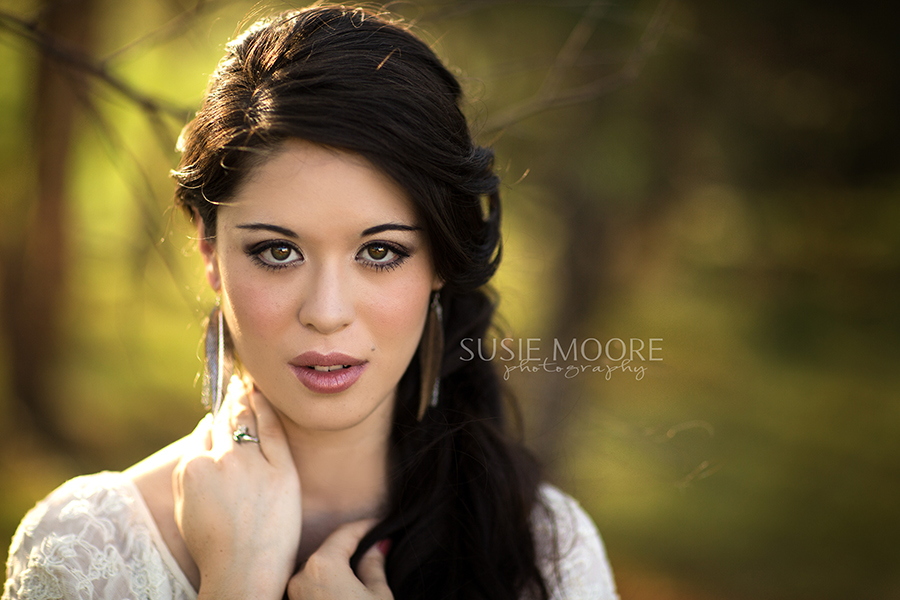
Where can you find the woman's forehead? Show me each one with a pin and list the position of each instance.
(306, 180)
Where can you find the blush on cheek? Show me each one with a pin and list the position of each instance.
(255, 308)
(402, 309)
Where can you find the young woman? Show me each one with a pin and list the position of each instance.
(348, 225)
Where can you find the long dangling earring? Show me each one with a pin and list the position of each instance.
(219, 364)
(431, 355)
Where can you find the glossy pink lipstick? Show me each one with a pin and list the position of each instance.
(327, 373)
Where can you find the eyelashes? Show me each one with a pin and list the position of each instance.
(275, 255)
(382, 256)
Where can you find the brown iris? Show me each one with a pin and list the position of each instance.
(281, 252)
(378, 252)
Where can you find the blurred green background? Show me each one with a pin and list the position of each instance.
(723, 176)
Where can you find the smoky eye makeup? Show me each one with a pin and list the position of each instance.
(386, 254)
(377, 254)
(382, 255)
(274, 254)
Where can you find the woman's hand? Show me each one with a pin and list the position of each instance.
(327, 574)
(237, 505)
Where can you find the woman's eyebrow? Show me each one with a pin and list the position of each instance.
(267, 227)
(389, 227)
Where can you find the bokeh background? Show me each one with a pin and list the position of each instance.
(720, 175)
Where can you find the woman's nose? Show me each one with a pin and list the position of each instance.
(326, 303)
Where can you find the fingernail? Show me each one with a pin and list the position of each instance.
(384, 546)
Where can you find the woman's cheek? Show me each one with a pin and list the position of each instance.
(401, 308)
(257, 308)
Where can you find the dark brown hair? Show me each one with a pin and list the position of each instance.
(461, 492)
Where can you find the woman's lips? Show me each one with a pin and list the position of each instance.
(327, 373)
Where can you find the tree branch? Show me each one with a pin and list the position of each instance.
(548, 97)
(80, 62)
(173, 28)
(572, 49)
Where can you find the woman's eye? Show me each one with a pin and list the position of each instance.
(382, 256)
(276, 255)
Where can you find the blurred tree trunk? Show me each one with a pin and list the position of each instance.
(35, 287)
(585, 287)
(589, 286)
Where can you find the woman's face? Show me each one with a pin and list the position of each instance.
(325, 277)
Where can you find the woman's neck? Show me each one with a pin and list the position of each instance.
(343, 476)
(342, 471)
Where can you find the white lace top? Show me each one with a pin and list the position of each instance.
(94, 537)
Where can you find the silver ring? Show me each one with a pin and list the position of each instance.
(242, 434)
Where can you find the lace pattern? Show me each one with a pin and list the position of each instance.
(583, 571)
(91, 538)
(94, 538)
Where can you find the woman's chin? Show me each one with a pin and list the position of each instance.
(332, 413)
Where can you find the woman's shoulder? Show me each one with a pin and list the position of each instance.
(571, 553)
(78, 504)
(90, 538)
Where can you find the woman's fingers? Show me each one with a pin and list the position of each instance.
(272, 439)
(197, 443)
(342, 543)
(327, 574)
(201, 437)
(235, 413)
(371, 569)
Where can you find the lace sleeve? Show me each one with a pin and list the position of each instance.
(573, 559)
(89, 540)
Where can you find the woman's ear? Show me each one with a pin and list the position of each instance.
(207, 248)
